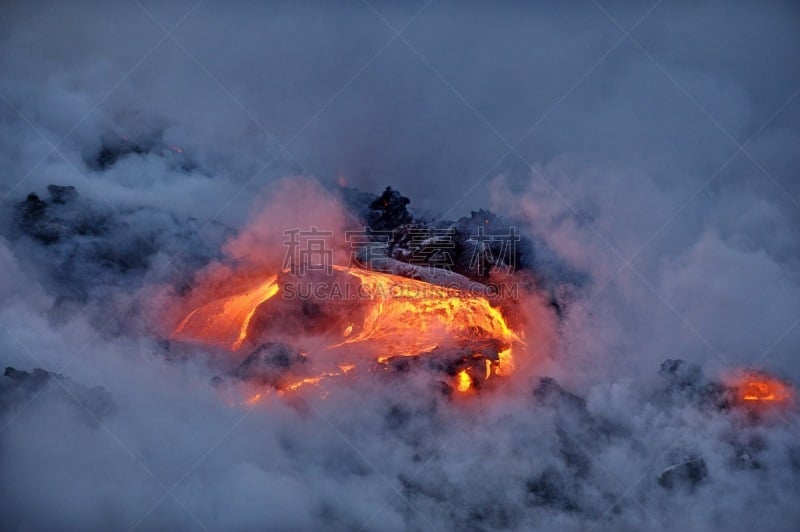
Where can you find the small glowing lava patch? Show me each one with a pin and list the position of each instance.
(463, 382)
(756, 387)
(765, 390)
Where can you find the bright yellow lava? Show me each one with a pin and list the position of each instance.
(464, 381)
(225, 321)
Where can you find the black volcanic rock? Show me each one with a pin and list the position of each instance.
(141, 139)
(746, 451)
(269, 363)
(388, 211)
(550, 490)
(108, 155)
(83, 245)
(30, 217)
(686, 381)
(18, 388)
(680, 374)
(62, 194)
(114, 149)
(61, 218)
(474, 246)
(688, 473)
(30, 210)
(578, 430)
(548, 392)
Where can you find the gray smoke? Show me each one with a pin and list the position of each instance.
(658, 169)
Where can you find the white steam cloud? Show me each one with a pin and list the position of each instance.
(659, 168)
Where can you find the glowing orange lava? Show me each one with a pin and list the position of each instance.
(398, 317)
(224, 321)
(253, 399)
(409, 317)
(764, 388)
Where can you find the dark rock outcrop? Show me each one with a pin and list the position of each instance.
(551, 490)
(686, 382)
(18, 388)
(269, 364)
(477, 247)
(84, 245)
(578, 430)
(687, 473)
(388, 211)
(62, 194)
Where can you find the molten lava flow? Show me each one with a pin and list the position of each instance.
(408, 317)
(764, 388)
(225, 321)
(751, 387)
(464, 381)
(398, 317)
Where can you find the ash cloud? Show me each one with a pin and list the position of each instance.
(612, 186)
